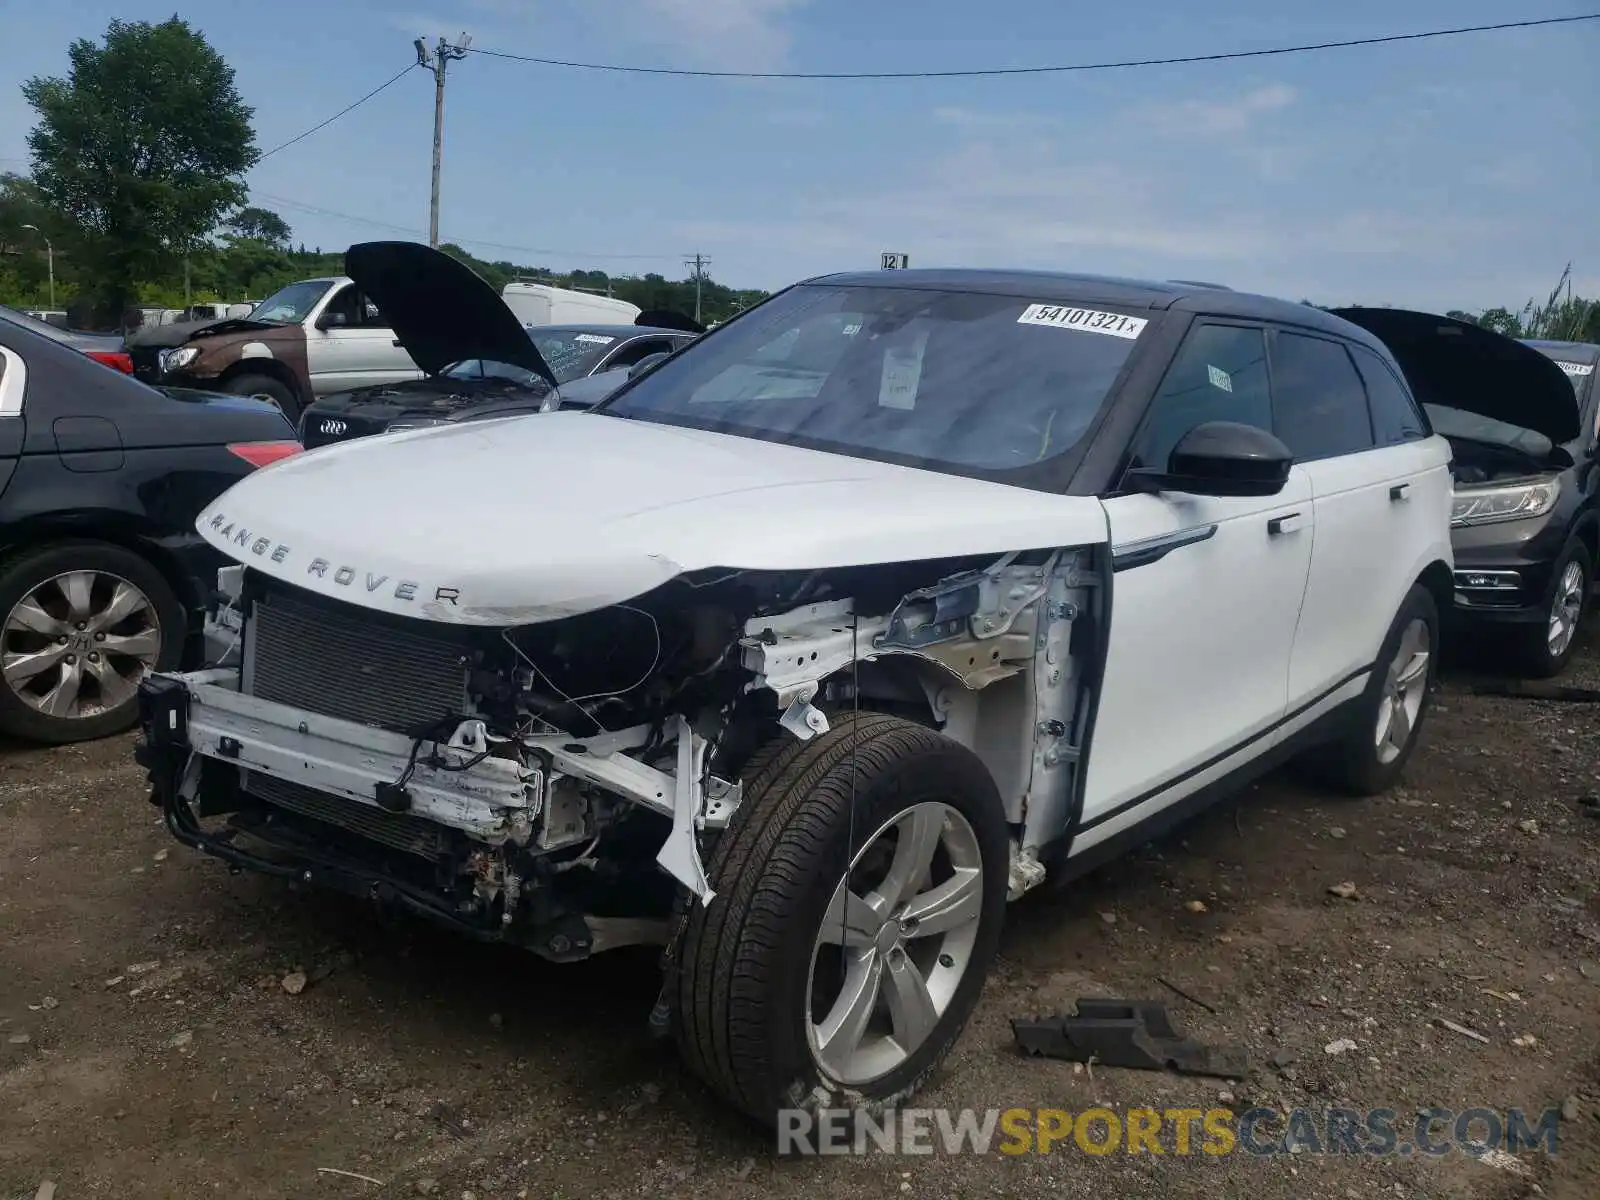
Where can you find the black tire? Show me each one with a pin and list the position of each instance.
(32, 569)
(744, 979)
(1528, 648)
(267, 388)
(1355, 764)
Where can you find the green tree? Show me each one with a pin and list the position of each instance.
(1501, 320)
(141, 149)
(260, 225)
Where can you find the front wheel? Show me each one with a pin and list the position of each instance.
(1543, 649)
(265, 387)
(860, 894)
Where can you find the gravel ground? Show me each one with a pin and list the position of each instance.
(150, 1047)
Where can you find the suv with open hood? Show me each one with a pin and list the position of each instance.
(810, 647)
(478, 359)
(307, 339)
(1521, 420)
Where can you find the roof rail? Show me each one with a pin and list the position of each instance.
(1221, 287)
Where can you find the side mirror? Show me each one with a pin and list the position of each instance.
(1222, 458)
(645, 364)
(332, 320)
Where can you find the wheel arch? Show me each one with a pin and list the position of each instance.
(1587, 530)
(270, 367)
(109, 529)
(1439, 581)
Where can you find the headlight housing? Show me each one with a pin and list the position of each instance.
(176, 360)
(412, 423)
(1510, 502)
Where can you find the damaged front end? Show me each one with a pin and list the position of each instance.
(560, 785)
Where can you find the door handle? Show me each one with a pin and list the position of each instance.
(1400, 491)
(1288, 523)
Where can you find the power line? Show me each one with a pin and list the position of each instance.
(302, 206)
(1092, 66)
(395, 78)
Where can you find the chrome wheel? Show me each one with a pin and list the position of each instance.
(1404, 687)
(895, 943)
(1565, 609)
(77, 645)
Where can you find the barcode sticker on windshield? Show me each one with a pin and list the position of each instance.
(594, 339)
(1086, 319)
(1219, 378)
(1576, 368)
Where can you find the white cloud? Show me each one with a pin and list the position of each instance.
(1221, 118)
(752, 35)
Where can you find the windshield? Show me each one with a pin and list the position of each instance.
(484, 368)
(572, 353)
(291, 304)
(956, 381)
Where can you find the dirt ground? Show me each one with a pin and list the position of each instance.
(148, 1046)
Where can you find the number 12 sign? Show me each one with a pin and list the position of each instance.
(895, 262)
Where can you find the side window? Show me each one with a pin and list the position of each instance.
(636, 350)
(1395, 415)
(1220, 374)
(370, 317)
(1319, 405)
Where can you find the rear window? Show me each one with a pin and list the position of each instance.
(572, 353)
(955, 381)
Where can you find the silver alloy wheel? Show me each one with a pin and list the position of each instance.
(77, 645)
(895, 943)
(1404, 686)
(1565, 609)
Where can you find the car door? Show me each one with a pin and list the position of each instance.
(349, 344)
(1376, 502)
(1205, 597)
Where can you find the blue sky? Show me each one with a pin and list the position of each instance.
(1455, 173)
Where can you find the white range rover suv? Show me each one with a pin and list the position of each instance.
(806, 651)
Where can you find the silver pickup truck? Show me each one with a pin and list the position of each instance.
(308, 339)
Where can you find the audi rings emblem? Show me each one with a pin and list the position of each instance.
(334, 427)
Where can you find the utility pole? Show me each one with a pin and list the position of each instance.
(436, 61)
(699, 262)
(50, 259)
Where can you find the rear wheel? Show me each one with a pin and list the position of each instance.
(265, 387)
(84, 622)
(860, 895)
(1543, 649)
(1387, 718)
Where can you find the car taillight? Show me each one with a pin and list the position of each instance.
(115, 359)
(261, 454)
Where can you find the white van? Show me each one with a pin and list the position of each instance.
(541, 304)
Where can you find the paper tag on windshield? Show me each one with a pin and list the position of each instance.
(594, 339)
(1219, 378)
(1576, 368)
(1086, 319)
(902, 372)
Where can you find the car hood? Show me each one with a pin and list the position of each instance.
(1460, 365)
(535, 518)
(440, 311)
(187, 331)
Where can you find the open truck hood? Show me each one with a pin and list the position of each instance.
(536, 518)
(1460, 365)
(439, 309)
